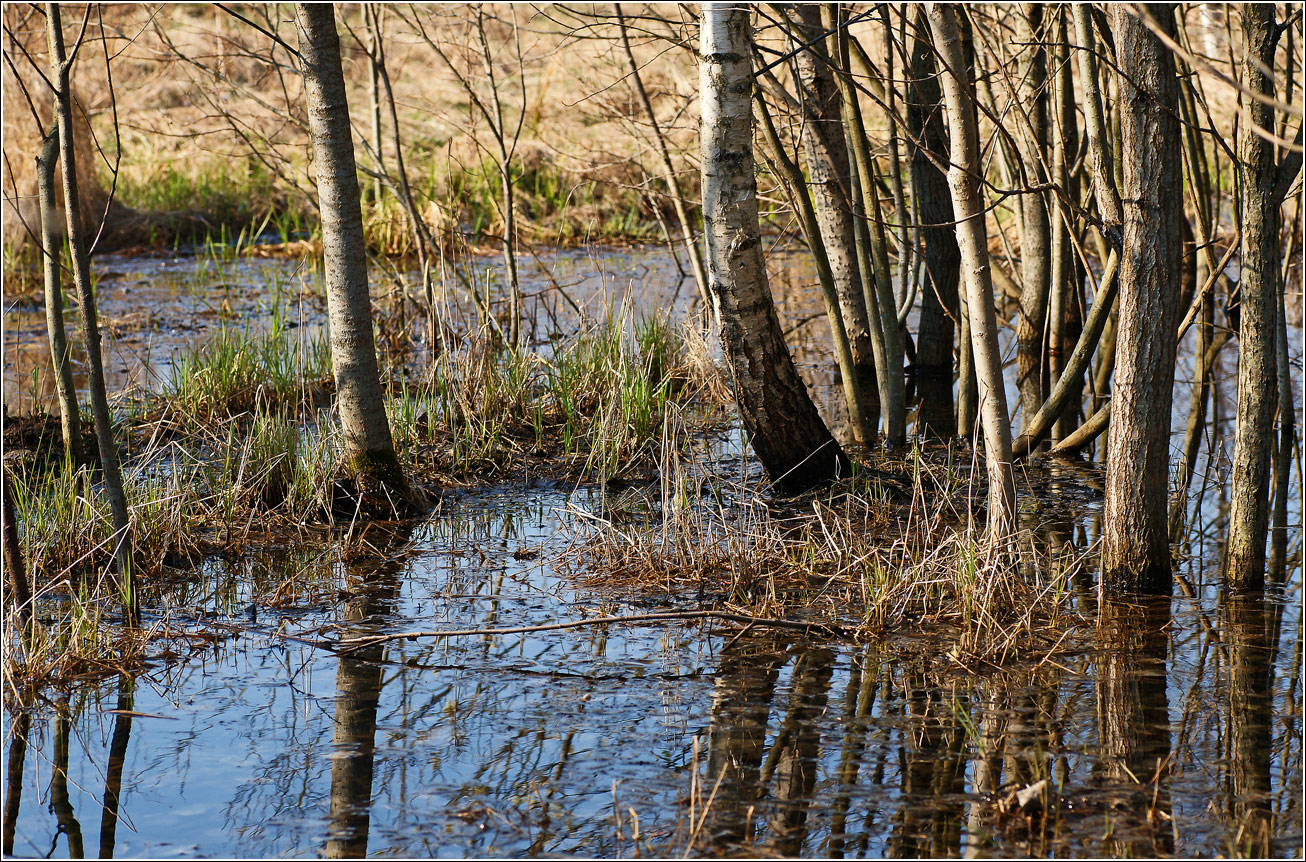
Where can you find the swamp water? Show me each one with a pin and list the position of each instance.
(1175, 729)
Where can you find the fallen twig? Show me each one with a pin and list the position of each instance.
(363, 642)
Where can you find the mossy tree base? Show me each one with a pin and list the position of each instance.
(373, 485)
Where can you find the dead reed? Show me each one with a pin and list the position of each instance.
(883, 554)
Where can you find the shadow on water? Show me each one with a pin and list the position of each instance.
(1173, 729)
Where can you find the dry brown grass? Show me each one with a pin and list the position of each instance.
(883, 555)
(205, 105)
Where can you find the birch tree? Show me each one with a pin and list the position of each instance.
(783, 426)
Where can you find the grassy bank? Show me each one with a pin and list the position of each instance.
(241, 445)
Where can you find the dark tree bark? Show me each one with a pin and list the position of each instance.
(1257, 328)
(369, 447)
(784, 428)
(939, 304)
(1135, 542)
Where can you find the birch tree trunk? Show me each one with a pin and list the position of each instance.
(1135, 541)
(369, 448)
(785, 431)
(70, 419)
(1257, 329)
(972, 241)
(122, 539)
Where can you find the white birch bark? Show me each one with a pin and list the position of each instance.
(784, 428)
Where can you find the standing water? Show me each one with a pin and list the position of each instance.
(1171, 728)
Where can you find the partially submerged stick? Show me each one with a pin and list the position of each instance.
(357, 643)
(1079, 439)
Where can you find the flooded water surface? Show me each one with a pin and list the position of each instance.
(1172, 728)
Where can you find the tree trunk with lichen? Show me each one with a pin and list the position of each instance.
(369, 448)
(784, 428)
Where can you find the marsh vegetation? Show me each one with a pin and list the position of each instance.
(649, 430)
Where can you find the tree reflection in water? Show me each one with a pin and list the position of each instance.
(59, 801)
(510, 746)
(791, 765)
(1252, 628)
(16, 759)
(741, 714)
(1134, 726)
(359, 679)
(122, 730)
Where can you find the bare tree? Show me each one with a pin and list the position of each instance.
(963, 174)
(60, 64)
(826, 155)
(784, 428)
(60, 356)
(692, 248)
(935, 334)
(369, 447)
(1035, 226)
(1135, 541)
(1259, 305)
